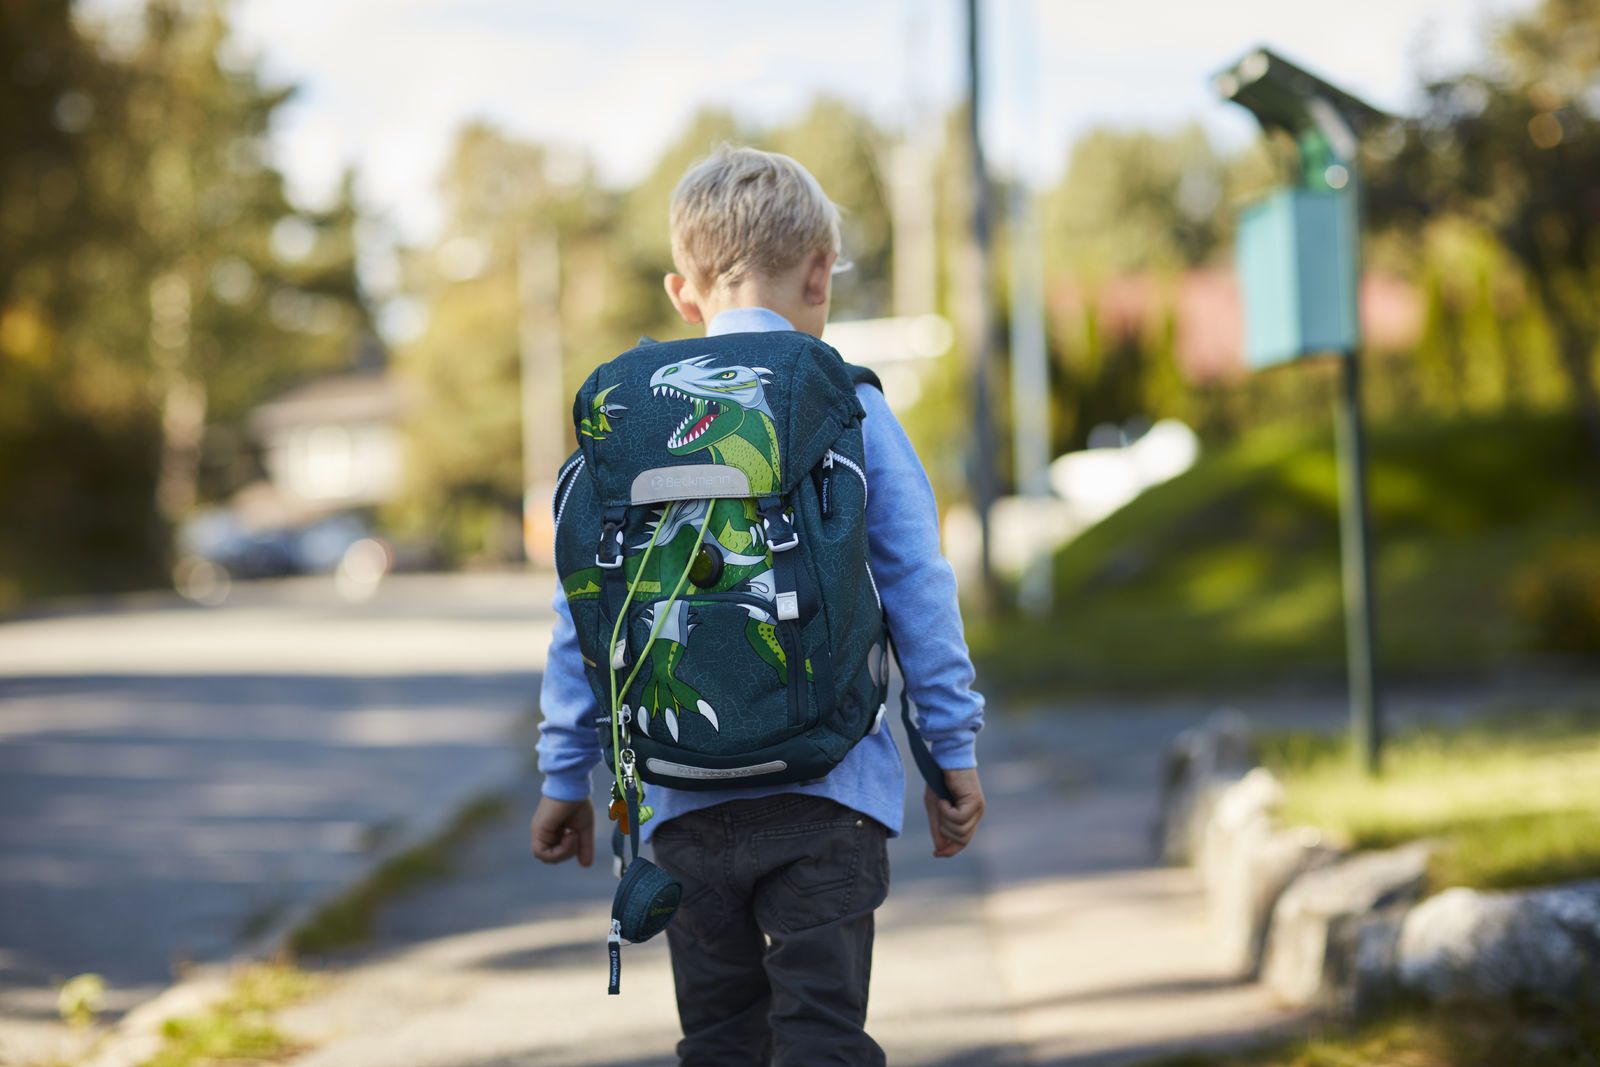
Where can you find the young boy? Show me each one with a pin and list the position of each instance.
(772, 944)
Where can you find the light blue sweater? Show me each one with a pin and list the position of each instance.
(919, 594)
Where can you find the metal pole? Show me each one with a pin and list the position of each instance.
(545, 425)
(1355, 529)
(1030, 373)
(980, 339)
(913, 211)
(1355, 523)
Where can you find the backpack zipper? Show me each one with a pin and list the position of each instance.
(731, 596)
(561, 507)
(833, 457)
(829, 460)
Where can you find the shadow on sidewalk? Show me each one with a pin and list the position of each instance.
(148, 819)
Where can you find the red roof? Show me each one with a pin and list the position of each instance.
(1210, 325)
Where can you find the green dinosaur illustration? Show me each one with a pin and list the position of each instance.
(729, 419)
(597, 424)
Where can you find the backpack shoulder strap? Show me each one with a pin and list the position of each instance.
(863, 376)
(932, 773)
(860, 375)
(929, 767)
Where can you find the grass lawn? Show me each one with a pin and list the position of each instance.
(239, 1028)
(1230, 572)
(1514, 801)
(1427, 1038)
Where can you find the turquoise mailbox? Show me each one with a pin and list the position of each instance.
(1297, 270)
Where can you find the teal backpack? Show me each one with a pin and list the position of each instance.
(711, 540)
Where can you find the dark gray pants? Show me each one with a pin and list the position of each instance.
(772, 945)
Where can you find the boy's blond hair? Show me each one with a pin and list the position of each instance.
(741, 211)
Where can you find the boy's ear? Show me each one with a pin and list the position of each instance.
(819, 278)
(684, 298)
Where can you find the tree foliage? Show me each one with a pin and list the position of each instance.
(464, 478)
(1515, 149)
(1138, 200)
(155, 283)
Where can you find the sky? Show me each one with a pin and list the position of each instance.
(384, 84)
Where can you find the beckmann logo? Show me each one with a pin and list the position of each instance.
(689, 482)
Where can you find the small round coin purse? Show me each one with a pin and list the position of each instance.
(647, 897)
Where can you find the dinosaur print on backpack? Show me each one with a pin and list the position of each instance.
(702, 469)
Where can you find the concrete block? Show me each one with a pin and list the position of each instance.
(1202, 761)
(1536, 944)
(1313, 932)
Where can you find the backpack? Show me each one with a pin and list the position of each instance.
(711, 542)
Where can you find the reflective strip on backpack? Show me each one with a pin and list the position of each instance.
(683, 770)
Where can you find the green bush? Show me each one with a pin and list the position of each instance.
(1229, 574)
(1558, 596)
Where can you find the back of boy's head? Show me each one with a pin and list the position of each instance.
(741, 211)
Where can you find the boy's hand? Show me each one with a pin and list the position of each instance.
(562, 829)
(953, 825)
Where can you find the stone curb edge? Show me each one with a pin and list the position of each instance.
(1323, 927)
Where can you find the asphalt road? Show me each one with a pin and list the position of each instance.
(174, 780)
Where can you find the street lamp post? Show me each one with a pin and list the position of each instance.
(1300, 270)
(977, 313)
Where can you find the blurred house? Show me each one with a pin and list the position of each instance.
(333, 443)
(1209, 316)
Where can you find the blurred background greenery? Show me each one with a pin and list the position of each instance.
(158, 287)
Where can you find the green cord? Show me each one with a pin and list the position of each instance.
(611, 650)
(655, 630)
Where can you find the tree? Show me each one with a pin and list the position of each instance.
(1516, 149)
(464, 476)
(1137, 200)
(506, 200)
(248, 293)
(76, 441)
(155, 282)
(842, 148)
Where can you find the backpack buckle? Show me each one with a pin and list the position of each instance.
(781, 534)
(609, 555)
(787, 543)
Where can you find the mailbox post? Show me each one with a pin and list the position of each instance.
(1299, 253)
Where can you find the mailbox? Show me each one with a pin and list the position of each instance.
(1297, 274)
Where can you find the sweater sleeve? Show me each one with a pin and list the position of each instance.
(568, 745)
(918, 588)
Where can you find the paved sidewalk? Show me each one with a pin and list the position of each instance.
(1105, 957)
(1055, 940)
